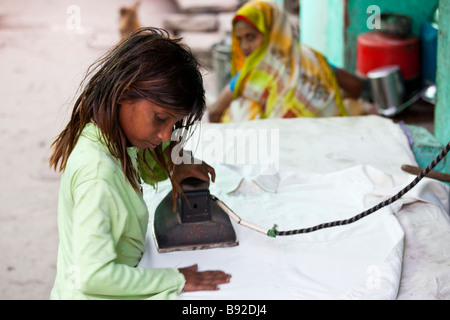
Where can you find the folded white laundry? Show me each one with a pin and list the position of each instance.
(263, 175)
(328, 169)
(362, 260)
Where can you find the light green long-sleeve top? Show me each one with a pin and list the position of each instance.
(102, 225)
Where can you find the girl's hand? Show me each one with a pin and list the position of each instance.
(204, 280)
(201, 171)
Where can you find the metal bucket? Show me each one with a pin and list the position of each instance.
(221, 64)
(387, 89)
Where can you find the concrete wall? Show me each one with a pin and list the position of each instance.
(357, 16)
(442, 108)
(322, 28)
(332, 27)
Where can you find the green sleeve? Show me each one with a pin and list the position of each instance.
(100, 218)
(155, 173)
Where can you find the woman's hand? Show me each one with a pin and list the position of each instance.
(216, 110)
(203, 280)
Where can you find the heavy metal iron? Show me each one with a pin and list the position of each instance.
(197, 222)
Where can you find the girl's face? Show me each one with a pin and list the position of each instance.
(146, 124)
(248, 36)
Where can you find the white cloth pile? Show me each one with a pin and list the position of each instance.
(337, 177)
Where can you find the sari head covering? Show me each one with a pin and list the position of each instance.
(281, 78)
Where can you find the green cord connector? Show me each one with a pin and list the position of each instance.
(271, 232)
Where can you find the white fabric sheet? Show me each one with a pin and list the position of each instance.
(321, 177)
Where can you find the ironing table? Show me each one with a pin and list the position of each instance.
(298, 173)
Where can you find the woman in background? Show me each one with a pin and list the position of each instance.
(273, 76)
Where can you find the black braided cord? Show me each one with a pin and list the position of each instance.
(382, 204)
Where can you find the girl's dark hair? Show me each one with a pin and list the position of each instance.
(146, 65)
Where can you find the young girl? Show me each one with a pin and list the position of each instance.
(274, 76)
(135, 96)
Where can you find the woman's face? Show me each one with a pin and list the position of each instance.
(248, 36)
(146, 124)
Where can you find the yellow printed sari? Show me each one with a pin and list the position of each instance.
(281, 78)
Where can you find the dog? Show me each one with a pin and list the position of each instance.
(128, 20)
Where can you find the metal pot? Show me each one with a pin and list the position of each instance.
(395, 24)
(387, 89)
